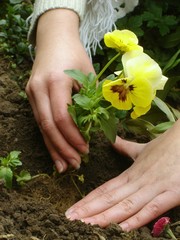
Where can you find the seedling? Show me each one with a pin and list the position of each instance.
(8, 167)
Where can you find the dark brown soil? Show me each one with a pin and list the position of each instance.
(36, 210)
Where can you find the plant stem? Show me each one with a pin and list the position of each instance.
(72, 179)
(171, 234)
(107, 65)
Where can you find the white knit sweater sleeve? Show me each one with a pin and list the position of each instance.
(41, 6)
(97, 17)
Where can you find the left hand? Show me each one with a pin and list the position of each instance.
(143, 192)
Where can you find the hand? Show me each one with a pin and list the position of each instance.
(49, 89)
(143, 192)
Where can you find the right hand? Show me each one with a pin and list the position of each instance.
(49, 89)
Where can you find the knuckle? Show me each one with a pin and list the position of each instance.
(53, 77)
(105, 220)
(84, 211)
(32, 85)
(45, 125)
(100, 190)
(153, 209)
(110, 199)
(127, 205)
(59, 118)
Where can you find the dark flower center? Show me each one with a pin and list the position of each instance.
(122, 90)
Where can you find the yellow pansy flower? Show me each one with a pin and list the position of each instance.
(125, 93)
(140, 64)
(122, 40)
(137, 87)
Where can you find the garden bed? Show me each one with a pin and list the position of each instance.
(36, 210)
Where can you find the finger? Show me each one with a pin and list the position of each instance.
(110, 185)
(101, 203)
(60, 98)
(124, 209)
(131, 149)
(60, 163)
(51, 132)
(159, 205)
(32, 103)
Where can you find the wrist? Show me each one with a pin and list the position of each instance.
(57, 25)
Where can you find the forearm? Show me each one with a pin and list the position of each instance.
(43, 6)
(57, 26)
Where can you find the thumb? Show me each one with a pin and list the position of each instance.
(128, 148)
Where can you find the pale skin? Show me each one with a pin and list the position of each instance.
(141, 193)
(49, 89)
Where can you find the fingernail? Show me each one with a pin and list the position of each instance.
(75, 163)
(125, 226)
(68, 212)
(59, 166)
(84, 149)
(87, 221)
(71, 215)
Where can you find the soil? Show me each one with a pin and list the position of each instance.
(36, 210)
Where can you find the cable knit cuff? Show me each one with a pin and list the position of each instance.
(41, 6)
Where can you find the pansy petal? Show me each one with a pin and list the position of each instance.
(142, 66)
(160, 85)
(142, 93)
(139, 111)
(122, 40)
(118, 100)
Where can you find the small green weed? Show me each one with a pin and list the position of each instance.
(8, 166)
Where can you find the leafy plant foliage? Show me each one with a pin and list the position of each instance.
(13, 30)
(8, 167)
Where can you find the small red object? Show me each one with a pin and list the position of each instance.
(160, 225)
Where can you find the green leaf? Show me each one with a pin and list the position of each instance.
(13, 158)
(162, 127)
(78, 75)
(164, 108)
(176, 112)
(14, 154)
(102, 111)
(7, 175)
(23, 177)
(172, 39)
(172, 62)
(139, 126)
(109, 127)
(83, 101)
(15, 1)
(72, 112)
(3, 22)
